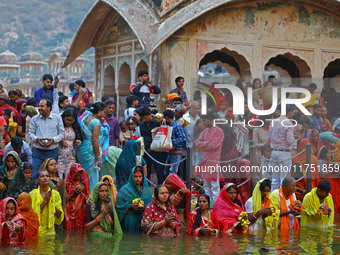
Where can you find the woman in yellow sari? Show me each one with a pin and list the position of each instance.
(111, 183)
(318, 206)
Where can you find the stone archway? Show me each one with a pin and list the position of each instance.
(292, 69)
(235, 64)
(124, 80)
(141, 66)
(331, 75)
(109, 82)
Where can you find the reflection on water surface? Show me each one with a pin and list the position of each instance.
(306, 241)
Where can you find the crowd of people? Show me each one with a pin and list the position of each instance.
(68, 161)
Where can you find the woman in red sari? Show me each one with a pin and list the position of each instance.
(228, 208)
(160, 217)
(203, 221)
(12, 228)
(179, 196)
(77, 192)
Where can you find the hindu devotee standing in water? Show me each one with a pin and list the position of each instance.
(318, 206)
(257, 206)
(47, 204)
(281, 199)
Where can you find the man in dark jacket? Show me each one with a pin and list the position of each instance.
(144, 88)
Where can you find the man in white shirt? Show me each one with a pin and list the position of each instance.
(193, 114)
(132, 104)
(46, 132)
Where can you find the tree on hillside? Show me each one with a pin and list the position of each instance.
(20, 45)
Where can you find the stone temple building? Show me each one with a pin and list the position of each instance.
(25, 72)
(9, 67)
(170, 38)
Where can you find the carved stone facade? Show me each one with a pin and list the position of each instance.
(298, 39)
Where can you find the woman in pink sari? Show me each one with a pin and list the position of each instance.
(228, 208)
(12, 227)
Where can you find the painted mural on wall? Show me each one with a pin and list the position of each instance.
(119, 30)
(162, 7)
(279, 21)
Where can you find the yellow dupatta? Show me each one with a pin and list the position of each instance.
(257, 200)
(310, 214)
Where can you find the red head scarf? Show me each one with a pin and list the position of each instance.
(226, 210)
(71, 184)
(19, 103)
(178, 184)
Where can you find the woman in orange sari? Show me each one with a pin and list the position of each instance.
(77, 192)
(301, 159)
(315, 142)
(228, 208)
(203, 221)
(30, 216)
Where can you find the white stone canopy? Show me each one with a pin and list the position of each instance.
(150, 27)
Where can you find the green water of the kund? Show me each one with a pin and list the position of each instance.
(306, 241)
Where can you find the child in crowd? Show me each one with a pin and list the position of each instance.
(12, 126)
(266, 152)
(125, 132)
(56, 183)
(4, 137)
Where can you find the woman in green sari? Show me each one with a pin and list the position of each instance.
(11, 165)
(109, 166)
(126, 162)
(22, 181)
(129, 210)
(100, 215)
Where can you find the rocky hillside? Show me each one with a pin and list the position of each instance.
(39, 24)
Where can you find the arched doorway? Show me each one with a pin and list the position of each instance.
(124, 80)
(331, 75)
(331, 79)
(235, 64)
(293, 70)
(123, 87)
(141, 66)
(109, 82)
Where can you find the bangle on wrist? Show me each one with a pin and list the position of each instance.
(254, 216)
(162, 223)
(97, 219)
